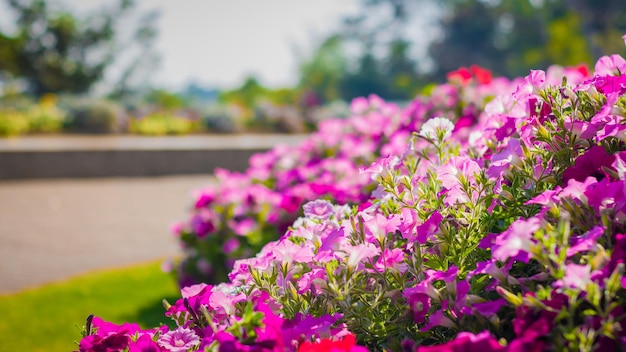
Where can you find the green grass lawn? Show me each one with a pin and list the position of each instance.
(49, 318)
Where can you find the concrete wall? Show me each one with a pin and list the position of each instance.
(68, 157)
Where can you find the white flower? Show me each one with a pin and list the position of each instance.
(435, 127)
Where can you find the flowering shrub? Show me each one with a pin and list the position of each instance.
(511, 237)
(236, 215)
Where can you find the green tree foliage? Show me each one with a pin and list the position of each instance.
(509, 36)
(325, 69)
(55, 51)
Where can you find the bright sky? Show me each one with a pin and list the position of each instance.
(220, 42)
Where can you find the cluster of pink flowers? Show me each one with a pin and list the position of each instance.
(238, 213)
(503, 233)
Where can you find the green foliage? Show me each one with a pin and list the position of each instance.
(12, 123)
(509, 36)
(165, 99)
(45, 117)
(163, 123)
(324, 70)
(56, 51)
(46, 318)
(93, 116)
(220, 119)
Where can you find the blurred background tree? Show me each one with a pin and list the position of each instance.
(510, 36)
(55, 51)
(391, 48)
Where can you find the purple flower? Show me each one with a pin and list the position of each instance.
(516, 241)
(179, 340)
(501, 162)
(438, 318)
(586, 241)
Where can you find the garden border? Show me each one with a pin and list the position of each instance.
(127, 156)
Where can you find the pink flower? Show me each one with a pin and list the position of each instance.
(378, 226)
(576, 277)
(360, 252)
(391, 258)
(289, 252)
(454, 173)
(359, 105)
(610, 65)
(179, 340)
(382, 166)
(438, 318)
(320, 209)
(531, 85)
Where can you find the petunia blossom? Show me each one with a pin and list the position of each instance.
(437, 128)
(179, 340)
(516, 241)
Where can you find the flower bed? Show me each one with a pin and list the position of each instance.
(507, 236)
(235, 216)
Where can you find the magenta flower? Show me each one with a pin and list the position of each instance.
(531, 325)
(179, 340)
(429, 228)
(144, 344)
(490, 308)
(111, 343)
(589, 164)
(438, 318)
(419, 304)
(466, 341)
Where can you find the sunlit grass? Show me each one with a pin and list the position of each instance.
(49, 318)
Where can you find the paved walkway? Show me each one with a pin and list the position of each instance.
(54, 229)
